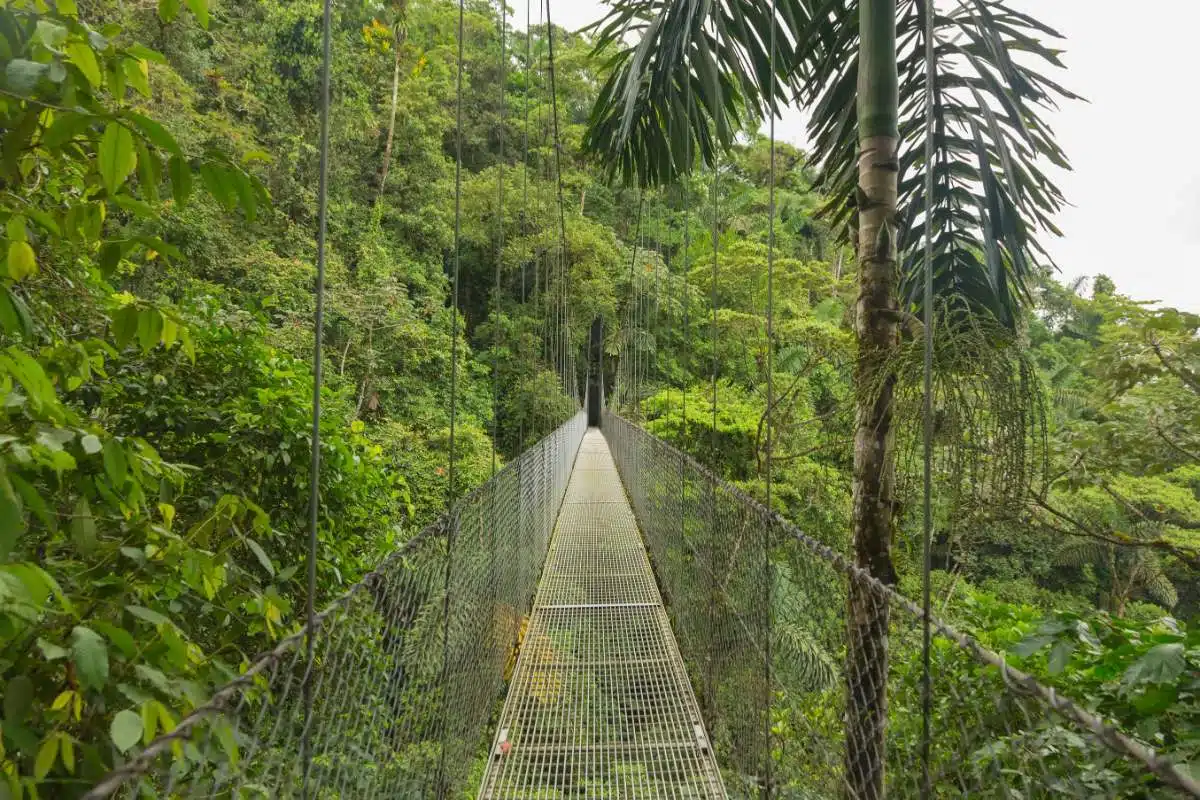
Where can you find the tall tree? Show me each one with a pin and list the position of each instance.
(858, 68)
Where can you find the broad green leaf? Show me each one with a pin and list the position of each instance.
(124, 325)
(66, 126)
(225, 735)
(67, 8)
(200, 9)
(117, 156)
(149, 174)
(133, 205)
(261, 555)
(44, 220)
(121, 638)
(18, 698)
(219, 184)
(168, 9)
(83, 527)
(12, 517)
(46, 756)
(145, 53)
(34, 502)
(149, 721)
(180, 173)
(247, 197)
(149, 328)
(158, 135)
(21, 261)
(153, 617)
(137, 74)
(14, 316)
(66, 749)
(90, 654)
(81, 55)
(1163, 663)
(51, 651)
(115, 464)
(126, 730)
(22, 76)
(1060, 655)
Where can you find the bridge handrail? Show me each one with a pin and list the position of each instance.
(1116, 740)
(218, 704)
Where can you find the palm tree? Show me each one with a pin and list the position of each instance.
(687, 75)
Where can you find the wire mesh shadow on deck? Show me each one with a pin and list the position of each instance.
(809, 672)
(407, 666)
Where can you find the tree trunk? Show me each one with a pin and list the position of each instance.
(401, 35)
(878, 335)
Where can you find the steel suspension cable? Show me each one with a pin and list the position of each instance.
(927, 418)
(499, 230)
(630, 356)
(712, 297)
(767, 584)
(562, 216)
(525, 177)
(452, 523)
(314, 475)
(687, 245)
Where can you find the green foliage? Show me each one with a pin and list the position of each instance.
(155, 388)
(155, 310)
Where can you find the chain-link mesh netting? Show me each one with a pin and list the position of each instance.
(407, 666)
(809, 672)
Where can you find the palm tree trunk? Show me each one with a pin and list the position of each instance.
(401, 35)
(877, 334)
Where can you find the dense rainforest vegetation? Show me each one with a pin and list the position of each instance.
(159, 165)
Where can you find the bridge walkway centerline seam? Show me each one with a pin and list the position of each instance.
(599, 704)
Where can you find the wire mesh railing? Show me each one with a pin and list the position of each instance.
(406, 671)
(808, 671)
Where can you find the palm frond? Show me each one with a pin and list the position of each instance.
(684, 77)
(1082, 552)
(1160, 589)
(678, 62)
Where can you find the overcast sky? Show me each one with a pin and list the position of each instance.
(1135, 188)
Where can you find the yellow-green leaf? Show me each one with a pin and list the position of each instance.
(81, 55)
(137, 74)
(67, 748)
(46, 756)
(118, 158)
(149, 721)
(21, 261)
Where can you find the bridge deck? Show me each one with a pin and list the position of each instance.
(600, 705)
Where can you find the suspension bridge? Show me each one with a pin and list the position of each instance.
(607, 618)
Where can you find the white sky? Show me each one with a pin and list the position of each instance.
(1135, 188)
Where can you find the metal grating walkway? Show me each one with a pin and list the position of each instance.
(600, 705)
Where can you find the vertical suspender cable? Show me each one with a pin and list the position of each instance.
(687, 245)
(499, 229)
(451, 522)
(712, 296)
(718, 123)
(927, 415)
(630, 357)
(525, 183)
(314, 475)
(769, 599)
(564, 343)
